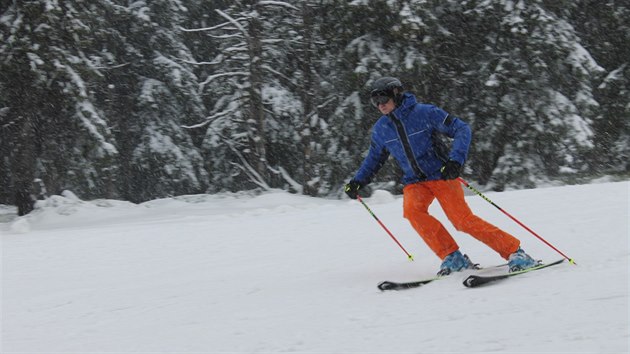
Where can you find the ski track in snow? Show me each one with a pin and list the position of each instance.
(288, 273)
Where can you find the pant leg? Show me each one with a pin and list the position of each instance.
(450, 194)
(416, 200)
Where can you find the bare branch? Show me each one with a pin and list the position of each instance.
(233, 21)
(212, 77)
(277, 3)
(250, 171)
(210, 119)
(202, 29)
(284, 78)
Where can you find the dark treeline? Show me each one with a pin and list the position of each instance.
(138, 100)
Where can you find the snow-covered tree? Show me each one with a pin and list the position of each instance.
(144, 99)
(304, 96)
(94, 95)
(51, 127)
(605, 32)
(235, 128)
(150, 92)
(265, 92)
(532, 119)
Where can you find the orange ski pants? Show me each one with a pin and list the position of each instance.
(416, 200)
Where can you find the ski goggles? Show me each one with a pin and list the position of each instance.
(379, 97)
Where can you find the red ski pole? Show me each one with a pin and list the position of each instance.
(513, 218)
(409, 256)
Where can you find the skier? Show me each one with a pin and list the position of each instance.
(406, 130)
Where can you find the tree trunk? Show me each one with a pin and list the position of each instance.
(257, 110)
(24, 167)
(308, 168)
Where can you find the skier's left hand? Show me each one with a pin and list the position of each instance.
(451, 170)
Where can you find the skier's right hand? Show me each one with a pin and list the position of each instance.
(352, 189)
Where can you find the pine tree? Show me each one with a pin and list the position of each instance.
(605, 32)
(53, 129)
(138, 100)
(531, 119)
(95, 95)
(150, 91)
(301, 98)
(253, 101)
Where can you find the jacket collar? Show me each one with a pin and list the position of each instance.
(408, 102)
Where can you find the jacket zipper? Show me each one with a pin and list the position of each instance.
(404, 139)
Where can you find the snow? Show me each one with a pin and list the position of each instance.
(286, 273)
(277, 3)
(564, 112)
(580, 58)
(613, 76)
(91, 120)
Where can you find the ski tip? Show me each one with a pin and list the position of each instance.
(386, 285)
(469, 282)
(473, 281)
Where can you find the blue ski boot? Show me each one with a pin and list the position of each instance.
(455, 262)
(520, 260)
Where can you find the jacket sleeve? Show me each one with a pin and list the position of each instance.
(454, 128)
(376, 157)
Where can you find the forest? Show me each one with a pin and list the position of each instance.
(138, 100)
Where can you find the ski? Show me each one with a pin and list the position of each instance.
(391, 285)
(473, 281)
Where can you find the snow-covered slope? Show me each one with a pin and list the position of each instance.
(280, 273)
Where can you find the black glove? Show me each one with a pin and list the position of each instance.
(451, 170)
(352, 189)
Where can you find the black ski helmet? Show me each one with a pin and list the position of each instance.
(387, 86)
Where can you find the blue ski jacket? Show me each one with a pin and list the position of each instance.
(408, 134)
